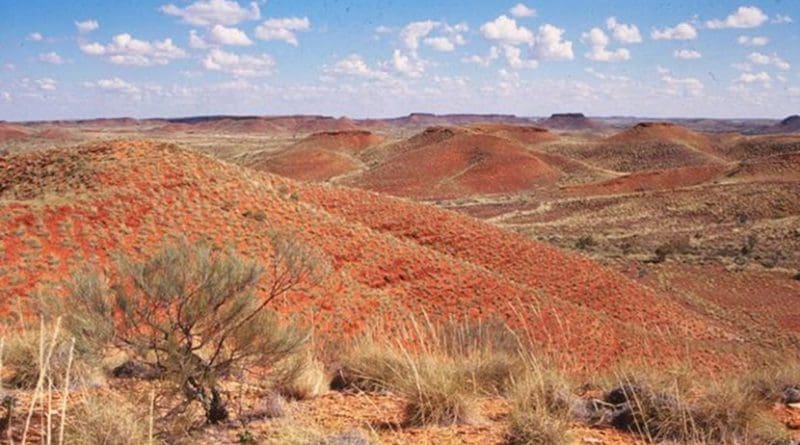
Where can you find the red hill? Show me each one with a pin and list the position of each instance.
(390, 258)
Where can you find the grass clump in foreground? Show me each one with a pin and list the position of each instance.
(689, 409)
(541, 410)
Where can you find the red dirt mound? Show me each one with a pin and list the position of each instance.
(653, 146)
(56, 134)
(389, 258)
(650, 180)
(352, 140)
(781, 166)
(11, 132)
(525, 134)
(319, 157)
(307, 164)
(450, 162)
(749, 147)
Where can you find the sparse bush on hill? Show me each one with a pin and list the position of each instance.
(103, 419)
(190, 312)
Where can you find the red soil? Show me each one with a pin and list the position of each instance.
(11, 132)
(781, 166)
(650, 180)
(307, 164)
(443, 162)
(390, 258)
(351, 140)
(524, 134)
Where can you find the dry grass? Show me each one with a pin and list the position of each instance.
(688, 408)
(541, 404)
(108, 420)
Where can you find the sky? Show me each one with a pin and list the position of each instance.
(358, 58)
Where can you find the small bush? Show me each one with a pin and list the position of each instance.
(435, 394)
(302, 379)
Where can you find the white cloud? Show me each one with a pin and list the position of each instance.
(240, 65)
(686, 54)
(505, 30)
(681, 31)
(623, 33)
(743, 17)
(6, 96)
(493, 54)
(688, 86)
(114, 84)
(742, 66)
(354, 65)
(87, 26)
(448, 39)
(222, 35)
(604, 76)
(126, 50)
(597, 40)
(781, 19)
(407, 64)
(283, 29)
(414, 31)
(752, 41)
(550, 44)
(214, 12)
(515, 60)
(763, 59)
(53, 58)
(46, 84)
(761, 77)
(520, 10)
(195, 41)
(35, 37)
(442, 44)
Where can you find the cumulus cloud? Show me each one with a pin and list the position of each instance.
(486, 60)
(46, 84)
(550, 44)
(763, 78)
(240, 65)
(407, 63)
(743, 17)
(222, 35)
(34, 37)
(126, 50)
(354, 65)
(53, 58)
(87, 26)
(195, 41)
(506, 31)
(604, 76)
(752, 41)
(597, 40)
(283, 29)
(114, 84)
(686, 54)
(681, 31)
(520, 10)
(214, 12)
(623, 33)
(764, 59)
(688, 86)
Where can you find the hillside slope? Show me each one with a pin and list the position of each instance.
(390, 257)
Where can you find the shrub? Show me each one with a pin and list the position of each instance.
(190, 312)
(435, 394)
(540, 411)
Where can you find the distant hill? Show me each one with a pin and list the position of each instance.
(570, 122)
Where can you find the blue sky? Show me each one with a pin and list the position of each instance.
(150, 58)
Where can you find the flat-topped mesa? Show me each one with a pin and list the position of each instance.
(569, 121)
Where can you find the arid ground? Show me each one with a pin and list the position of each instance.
(611, 242)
